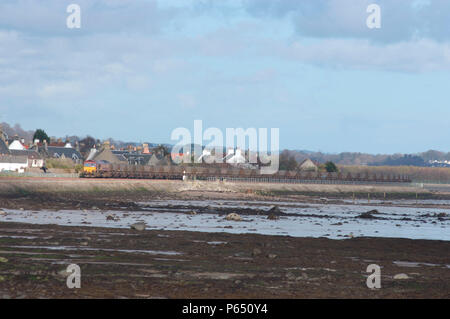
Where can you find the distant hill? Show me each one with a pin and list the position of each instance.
(354, 158)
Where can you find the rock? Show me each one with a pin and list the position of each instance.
(337, 224)
(138, 226)
(63, 273)
(273, 217)
(193, 213)
(110, 217)
(2, 213)
(256, 252)
(275, 210)
(233, 216)
(441, 215)
(3, 260)
(401, 276)
(272, 256)
(369, 214)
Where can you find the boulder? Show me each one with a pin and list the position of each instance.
(275, 210)
(138, 226)
(256, 252)
(110, 217)
(369, 214)
(233, 216)
(401, 276)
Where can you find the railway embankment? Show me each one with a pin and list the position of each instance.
(23, 186)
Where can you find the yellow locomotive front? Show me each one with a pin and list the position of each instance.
(90, 167)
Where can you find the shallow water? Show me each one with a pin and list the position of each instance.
(328, 220)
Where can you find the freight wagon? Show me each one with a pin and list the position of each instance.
(180, 172)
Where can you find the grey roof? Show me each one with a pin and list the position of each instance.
(3, 148)
(13, 159)
(58, 152)
(106, 154)
(28, 153)
(140, 159)
(157, 161)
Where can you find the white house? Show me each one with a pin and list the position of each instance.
(16, 145)
(13, 163)
(235, 157)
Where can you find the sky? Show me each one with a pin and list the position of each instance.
(138, 69)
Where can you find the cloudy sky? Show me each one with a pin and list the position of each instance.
(137, 69)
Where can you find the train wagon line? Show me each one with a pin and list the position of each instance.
(94, 169)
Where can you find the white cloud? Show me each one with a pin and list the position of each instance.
(413, 56)
(62, 89)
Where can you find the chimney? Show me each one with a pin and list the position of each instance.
(36, 145)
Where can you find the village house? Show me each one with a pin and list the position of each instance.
(132, 156)
(106, 154)
(17, 144)
(4, 150)
(18, 148)
(308, 166)
(63, 151)
(13, 163)
(10, 162)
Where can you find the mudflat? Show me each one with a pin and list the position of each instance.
(119, 262)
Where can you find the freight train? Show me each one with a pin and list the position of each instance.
(101, 169)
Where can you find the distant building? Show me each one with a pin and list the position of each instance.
(13, 163)
(62, 152)
(4, 150)
(107, 155)
(308, 166)
(17, 144)
(34, 158)
(235, 157)
(3, 135)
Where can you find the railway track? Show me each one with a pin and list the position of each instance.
(236, 175)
